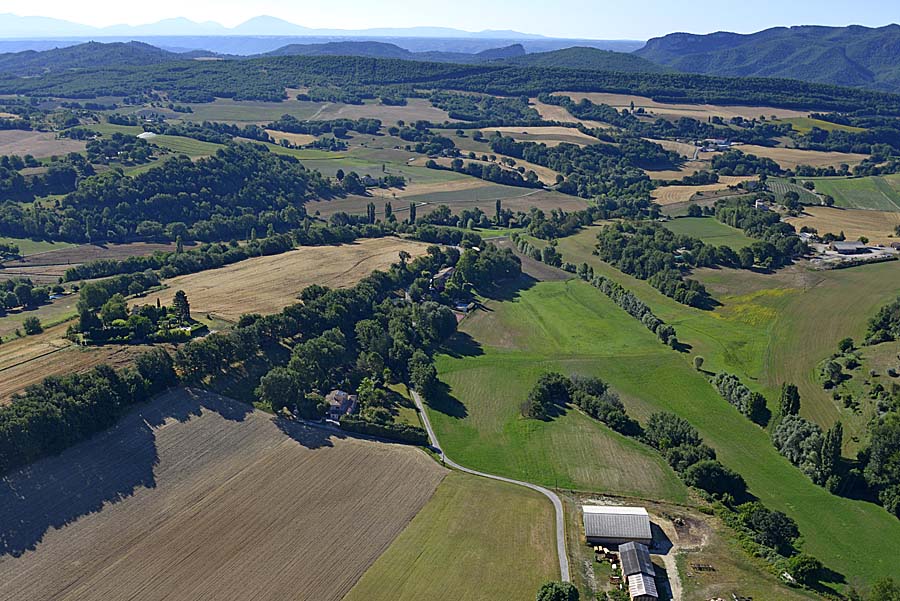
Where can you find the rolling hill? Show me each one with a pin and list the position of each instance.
(589, 59)
(91, 54)
(852, 56)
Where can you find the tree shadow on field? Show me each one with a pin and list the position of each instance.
(309, 436)
(106, 469)
(443, 401)
(510, 290)
(462, 345)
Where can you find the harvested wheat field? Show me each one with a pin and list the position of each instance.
(686, 150)
(674, 111)
(551, 112)
(688, 168)
(296, 139)
(269, 284)
(27, 361)
(669, 195)
(550, 135)
(197, 497)
(790, 158)
(39, 144)
(877, 226)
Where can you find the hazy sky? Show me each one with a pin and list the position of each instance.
(598, 19)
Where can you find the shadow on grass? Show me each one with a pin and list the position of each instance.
(462, 345)
(101, 471)
(443, 401)
(510, 290)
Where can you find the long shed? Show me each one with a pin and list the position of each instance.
(611, 525)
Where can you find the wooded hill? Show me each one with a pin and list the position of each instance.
(267, 78)
(847, 56)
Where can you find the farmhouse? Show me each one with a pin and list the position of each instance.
(340, 403)
(638, 571)
(440, 279)
(606, 525)
(849, 248)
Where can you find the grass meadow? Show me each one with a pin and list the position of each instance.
(879, 193)
(475, 539)
(573, 328)
(710, 231)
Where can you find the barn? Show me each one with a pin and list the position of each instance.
(610, 525)
(638, 571)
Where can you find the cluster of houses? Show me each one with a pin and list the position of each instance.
(628, 529)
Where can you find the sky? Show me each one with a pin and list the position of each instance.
(592, 19)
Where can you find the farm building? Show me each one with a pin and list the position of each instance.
(849, 248)
(638, 571)
(340, 403)
(607, 525)
(440, 279)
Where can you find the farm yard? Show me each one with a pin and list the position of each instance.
(878, 193)
(475, 539)
(224, 501)
(268, 284)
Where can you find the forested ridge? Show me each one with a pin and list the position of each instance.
(267, 78)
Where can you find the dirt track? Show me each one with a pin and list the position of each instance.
(192, 498)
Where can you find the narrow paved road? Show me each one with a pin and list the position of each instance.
(554, 498)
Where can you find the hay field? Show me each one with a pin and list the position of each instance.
(686, 150)
(416, 109)
(674, 111)
(297, 139)
(686, 169)
(551, 135)
(195, 496)
(269, 284)
(877, 226)
(38, 144)
(462, 544)
(48, 266)
(27, 361)
(710, 230)
(790, 158)
(551, 112)
(669, 195)
(250, 111)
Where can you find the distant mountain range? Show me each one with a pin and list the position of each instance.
(96, 54)
(852, 56)
(14, 26)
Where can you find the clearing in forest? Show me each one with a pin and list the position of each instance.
(196, 496)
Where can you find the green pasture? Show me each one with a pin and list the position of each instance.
(28, 246)
(804, 125)
(879, 193)
(572, 327)
(710, 230)
(475, 539)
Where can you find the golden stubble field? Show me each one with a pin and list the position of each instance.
(269, 284)
(877, 226)
(197, 497)
(674, 111)
(790, 158)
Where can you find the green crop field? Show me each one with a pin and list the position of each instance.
(710, 230)
(805, 125)
(475, 539)
(247, 111)
(189, 146)
(781, 186)
(572, 327)
(33, 247)
(879, 193)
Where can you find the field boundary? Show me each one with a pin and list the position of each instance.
(561, 550)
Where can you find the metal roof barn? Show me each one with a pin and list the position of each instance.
(608, 525)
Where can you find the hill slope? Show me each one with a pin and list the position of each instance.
(590, 59)
(89, 55)
(846, 56)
